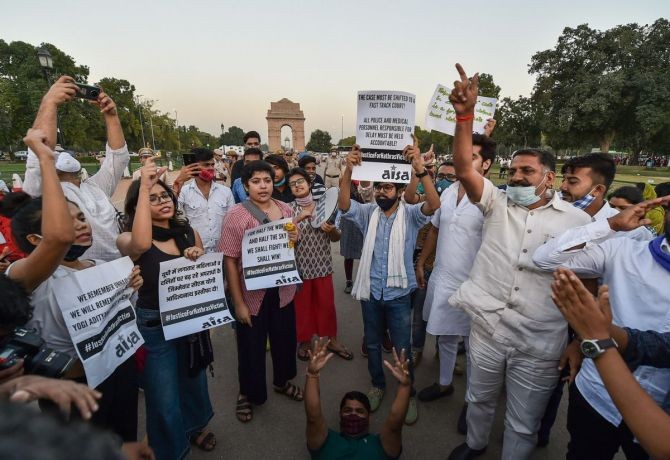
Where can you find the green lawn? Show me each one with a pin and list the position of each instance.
(7, 168)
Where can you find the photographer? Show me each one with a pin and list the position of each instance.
(93, 194)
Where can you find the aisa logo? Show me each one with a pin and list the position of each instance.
(287, 280)
(212, 322)
(126, 344)
(394, 175)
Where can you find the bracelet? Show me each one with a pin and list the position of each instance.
(423, 174)
(310, 375)
(460, 118)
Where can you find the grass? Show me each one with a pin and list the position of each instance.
(7, 168)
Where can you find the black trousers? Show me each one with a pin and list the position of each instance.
(279, 325)
(592, 437)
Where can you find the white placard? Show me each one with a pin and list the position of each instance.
(325, 207)
(385, 124)
(267, 259)
(99, 317)
(191, 295)
(441, 116)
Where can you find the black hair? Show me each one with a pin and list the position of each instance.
(398, 185)
(662, 189)
(26, 215)
(202, 154)
(30, 435)
(277, 160)
(602, 167)
(488, 148)
(130, 205)
(355, 396)
(251, 134)
(253, 151)
(629, 193)
(307, 159)
(300, 172)
(256, 166)
(15, 308)
(547, 159)
(446, 163)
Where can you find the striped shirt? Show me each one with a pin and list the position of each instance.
(236, 222)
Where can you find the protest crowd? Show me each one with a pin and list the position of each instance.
(546, 289)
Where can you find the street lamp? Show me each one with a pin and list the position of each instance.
(47, 64)
(176, 122)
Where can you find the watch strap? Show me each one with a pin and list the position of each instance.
(423, 174)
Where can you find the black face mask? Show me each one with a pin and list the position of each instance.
(385, 203)
(75, 252)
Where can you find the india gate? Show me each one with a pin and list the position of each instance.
(285, 113)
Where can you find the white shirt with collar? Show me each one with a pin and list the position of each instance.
(206, 214)
(506, 294)
(460, 236)
(93, 197)
(640, 233)
(638, 293)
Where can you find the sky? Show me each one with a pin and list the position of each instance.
(224, 61)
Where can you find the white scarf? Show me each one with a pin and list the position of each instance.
(397, 276)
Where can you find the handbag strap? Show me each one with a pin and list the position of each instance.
(255, 211)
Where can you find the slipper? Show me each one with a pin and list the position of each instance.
(344, 353)
(206, 443)
(291, 391)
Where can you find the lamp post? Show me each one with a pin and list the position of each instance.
(47, 64)
(138, 101)
(176, 122)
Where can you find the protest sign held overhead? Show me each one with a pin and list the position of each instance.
(441, 117)
(268, 260)
(385, 124)
(191, 295)
(99, 317)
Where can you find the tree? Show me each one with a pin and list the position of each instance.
(319, 141)
(234, 136)
(347, 141)
(518, 123)
(487, 86)
(606, 86)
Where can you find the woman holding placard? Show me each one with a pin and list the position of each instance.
(260, 313)
(175, 388)
(315, 301)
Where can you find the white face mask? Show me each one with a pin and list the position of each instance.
(525, 195)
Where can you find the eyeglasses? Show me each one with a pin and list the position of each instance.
(451, 177)
(297, 182)
(384, 187)
(159, 199)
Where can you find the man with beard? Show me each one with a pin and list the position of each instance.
(385, 278)
(354, 439)
(517, 335)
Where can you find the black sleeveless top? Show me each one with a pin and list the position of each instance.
(149, 263)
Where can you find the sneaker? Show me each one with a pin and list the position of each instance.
(348, 287)
(364, 349)
(416, 358)
(387, 346)
(375, 396)
(412, 412)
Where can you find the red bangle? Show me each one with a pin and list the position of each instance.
(460, 118)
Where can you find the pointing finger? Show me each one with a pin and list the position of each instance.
(462, 74)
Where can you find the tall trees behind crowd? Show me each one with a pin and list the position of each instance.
(606, 89)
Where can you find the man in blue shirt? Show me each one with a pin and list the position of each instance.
(385, 277)
(251, 154)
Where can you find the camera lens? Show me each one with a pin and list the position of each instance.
(95, 93)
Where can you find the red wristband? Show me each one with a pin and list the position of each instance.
(460, 118)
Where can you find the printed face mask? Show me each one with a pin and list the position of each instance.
(206, 175)
(585, 201)
(354, 426)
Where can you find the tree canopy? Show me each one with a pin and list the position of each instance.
(319, 141)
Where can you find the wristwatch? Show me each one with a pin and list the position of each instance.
(592, 348)
(423, 174)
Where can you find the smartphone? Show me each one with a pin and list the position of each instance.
(88, 91)
(189, 159)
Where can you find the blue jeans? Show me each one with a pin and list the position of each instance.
(396, 315)
(177, 405)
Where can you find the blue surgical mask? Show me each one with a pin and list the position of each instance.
(524, 195)
(281, 182)
(442, 184)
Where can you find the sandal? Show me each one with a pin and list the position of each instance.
(303, 354)
(206, 442)
(243, 410)
(290, 390)
(343, 353)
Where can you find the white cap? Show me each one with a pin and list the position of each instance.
(67, 163)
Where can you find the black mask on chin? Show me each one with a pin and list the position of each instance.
(385, 203)
(75, 252)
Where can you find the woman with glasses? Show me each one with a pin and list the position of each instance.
(175, 387)
(315, 301)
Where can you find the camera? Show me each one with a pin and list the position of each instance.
(87, 91)
(37, 358)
